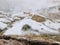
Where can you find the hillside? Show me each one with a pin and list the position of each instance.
(32, 19)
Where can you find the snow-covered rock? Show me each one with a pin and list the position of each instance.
(2, 25)
(17, 28)
(16, 8)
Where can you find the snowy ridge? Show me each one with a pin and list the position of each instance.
(17, 28)
(13, 17)
(47, 27)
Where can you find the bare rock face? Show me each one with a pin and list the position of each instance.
(7, 40)
(38, 18)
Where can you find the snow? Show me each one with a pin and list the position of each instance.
(26, 5)
(52, 25)
(2, 25)
(17, 28)
(17, 8)
(20, 14)
(4, 20)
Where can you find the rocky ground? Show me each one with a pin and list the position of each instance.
(9, 40)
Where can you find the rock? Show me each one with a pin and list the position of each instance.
(22, 41)
(26, 27)
(38, 18)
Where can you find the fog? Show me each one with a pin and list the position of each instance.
(17, 5)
